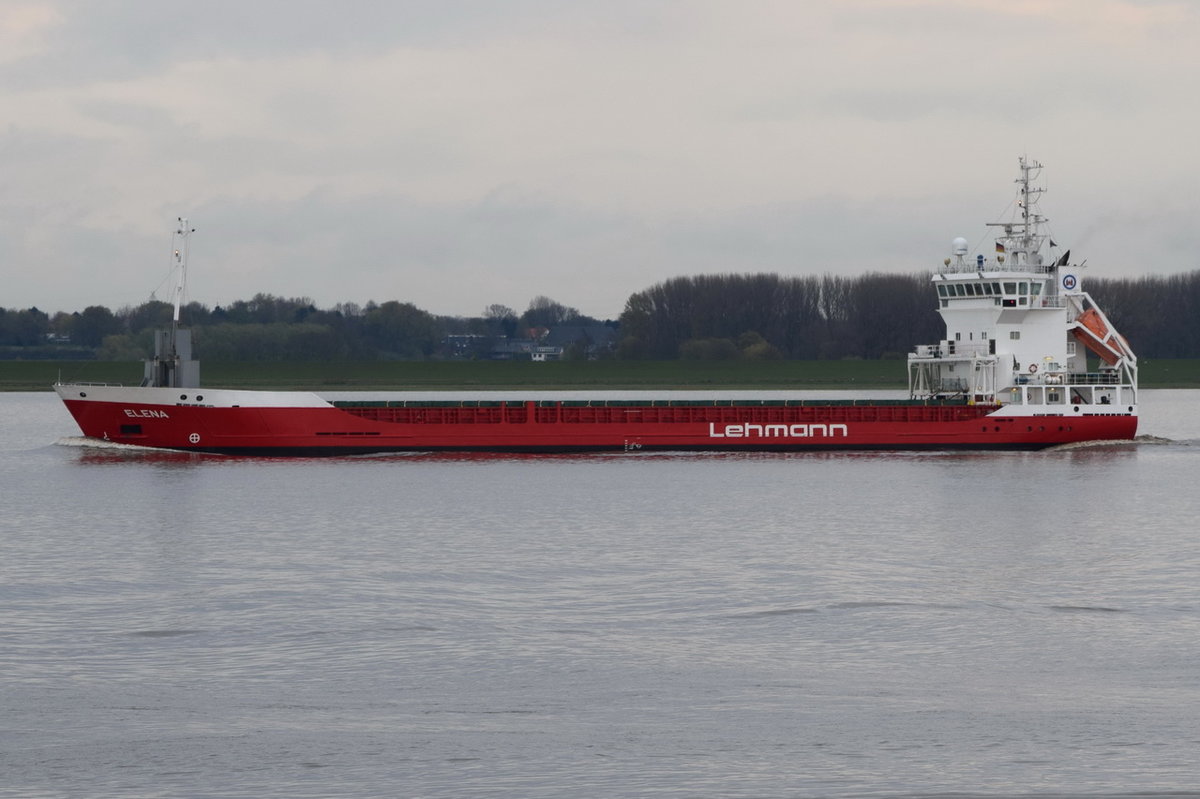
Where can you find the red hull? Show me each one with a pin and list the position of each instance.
(574, 426)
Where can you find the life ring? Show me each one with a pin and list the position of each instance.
(1032, 368)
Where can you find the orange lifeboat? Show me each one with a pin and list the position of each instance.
(1095, 335)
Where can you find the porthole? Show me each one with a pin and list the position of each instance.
(183, 396)
(83, 393)
(200, 399)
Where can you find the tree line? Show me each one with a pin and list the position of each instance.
(770, 316)
(273, 328)
(1159, 316)
(719, 316)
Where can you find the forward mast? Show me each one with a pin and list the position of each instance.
(172, 365)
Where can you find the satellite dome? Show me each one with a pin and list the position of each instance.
(960, 246)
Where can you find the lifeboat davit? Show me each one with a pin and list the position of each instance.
(1095, 334)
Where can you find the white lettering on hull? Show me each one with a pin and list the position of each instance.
(778, 430)
(146, 413)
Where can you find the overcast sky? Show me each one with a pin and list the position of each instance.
(459, 154)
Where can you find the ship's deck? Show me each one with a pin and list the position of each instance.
(673, 412)
(650, 403)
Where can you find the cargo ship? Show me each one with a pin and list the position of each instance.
(1029, 361)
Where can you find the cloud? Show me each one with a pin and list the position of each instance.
(459, 154)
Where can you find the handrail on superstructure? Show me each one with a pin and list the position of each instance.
(959, 350)
(995, 265)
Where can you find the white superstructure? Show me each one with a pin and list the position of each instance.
(1020, 327)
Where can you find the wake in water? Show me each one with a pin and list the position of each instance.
(1110, 444)
(100, 446)
(1156, 440)
(99, 443)
(97, 450)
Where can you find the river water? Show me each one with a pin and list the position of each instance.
(856, 624)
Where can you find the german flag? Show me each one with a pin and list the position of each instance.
(999, 247)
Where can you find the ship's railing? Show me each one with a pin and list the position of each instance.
(994, 265)
(1070, 379)
(89, 383)
(1093, 378)
(952, 385)
(951, 349)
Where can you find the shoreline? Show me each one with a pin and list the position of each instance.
(527, 375)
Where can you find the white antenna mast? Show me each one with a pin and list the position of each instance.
(172, 364)
(181, 255)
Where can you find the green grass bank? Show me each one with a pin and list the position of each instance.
(499, 375)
